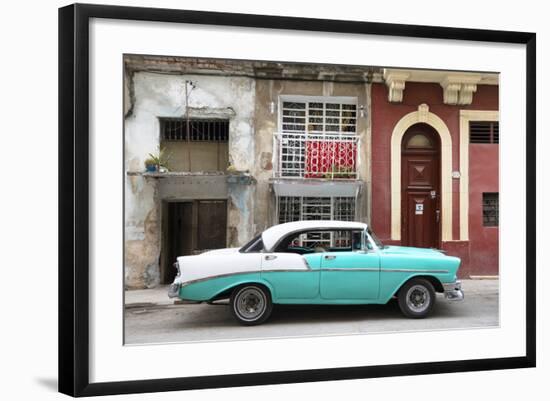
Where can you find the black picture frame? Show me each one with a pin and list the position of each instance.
(74, 198)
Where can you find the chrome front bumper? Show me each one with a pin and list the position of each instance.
(453, 291)
(174, 290)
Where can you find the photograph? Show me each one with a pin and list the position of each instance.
(267, 199)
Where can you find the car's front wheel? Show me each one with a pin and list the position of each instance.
(416, 298)
(251, 304)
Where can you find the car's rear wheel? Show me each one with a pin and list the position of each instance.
(251, 304)
(416, 298)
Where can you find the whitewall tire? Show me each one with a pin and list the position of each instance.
(251, 304)
(416, 298)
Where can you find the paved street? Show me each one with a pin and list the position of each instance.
(150, 317)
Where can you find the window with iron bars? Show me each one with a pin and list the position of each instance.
(490, 209)
(318, 138)
(295, 208)
(200, 130)
(319, 117)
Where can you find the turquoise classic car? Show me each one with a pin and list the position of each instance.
(317, 262)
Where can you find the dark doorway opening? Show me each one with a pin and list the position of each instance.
(190, 228)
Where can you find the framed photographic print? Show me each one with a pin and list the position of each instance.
(297, 199)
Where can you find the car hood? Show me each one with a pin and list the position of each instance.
(408, 250)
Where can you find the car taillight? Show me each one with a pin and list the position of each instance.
(177, 266)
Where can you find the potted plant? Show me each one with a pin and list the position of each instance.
(150, 165)
(158, 161)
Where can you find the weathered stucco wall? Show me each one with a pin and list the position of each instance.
(150, 95)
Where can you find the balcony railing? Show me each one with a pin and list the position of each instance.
(328, 155)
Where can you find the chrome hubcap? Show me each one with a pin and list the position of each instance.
(418, 298)
(250, 303)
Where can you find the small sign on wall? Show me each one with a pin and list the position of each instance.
(419, 208)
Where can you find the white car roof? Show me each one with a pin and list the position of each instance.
(273, 234)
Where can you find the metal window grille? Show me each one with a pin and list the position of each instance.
(319, 117)
(295, 208)
(175, 129)
(318, 139)
(289, 208)
(316, 208)
(344, 208)
(490, 209)
(484, 132)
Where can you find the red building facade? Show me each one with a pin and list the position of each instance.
(435, 164)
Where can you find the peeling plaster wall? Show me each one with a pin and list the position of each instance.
(151, 95)
(142, 233)
(240, 219)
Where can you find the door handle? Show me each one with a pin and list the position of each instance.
(271, 257)
(330, 257)
(437, 213)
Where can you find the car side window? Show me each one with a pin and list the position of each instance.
(356, 240)
(300, 243)
(315, 241)
(369, 245)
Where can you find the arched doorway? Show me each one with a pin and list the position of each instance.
(420, 187)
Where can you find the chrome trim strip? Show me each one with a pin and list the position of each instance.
(198, 280)
(350, 269)
(288, 271)
(309, 270)
(413, 271)
(275, 254)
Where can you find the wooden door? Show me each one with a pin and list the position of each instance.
(189, 228)
(178, 236)
(420, 181)
(212, 224)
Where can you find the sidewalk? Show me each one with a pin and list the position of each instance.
(159, 295)
(151, 296)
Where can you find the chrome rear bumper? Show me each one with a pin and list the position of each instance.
(453, 291)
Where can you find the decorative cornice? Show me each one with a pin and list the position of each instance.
(395, 81)
(466, 94)
(459, 89)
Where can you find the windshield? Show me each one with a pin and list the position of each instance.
(376, 240)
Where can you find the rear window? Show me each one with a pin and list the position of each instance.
(254, 245)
